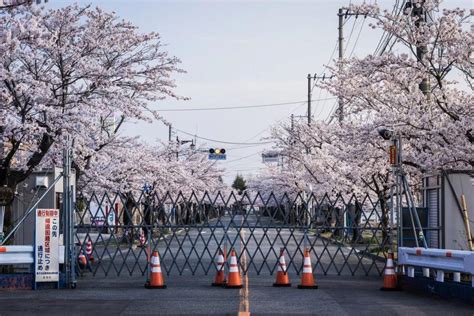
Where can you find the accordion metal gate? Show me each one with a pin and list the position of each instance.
(344, 236)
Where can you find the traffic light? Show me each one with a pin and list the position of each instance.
(217, 151)
(217, 154)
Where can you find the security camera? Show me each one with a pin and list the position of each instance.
(386, 134)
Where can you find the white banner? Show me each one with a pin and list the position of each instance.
(47, 245)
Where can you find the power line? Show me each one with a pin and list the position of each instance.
(244, 157)
(221, 141)
(357, 39)
(239, 107)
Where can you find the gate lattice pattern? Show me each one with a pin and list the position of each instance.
(344, 236)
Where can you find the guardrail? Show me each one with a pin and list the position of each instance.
(456, 261)
(22, 255)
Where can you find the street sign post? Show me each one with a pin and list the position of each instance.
(47, 245)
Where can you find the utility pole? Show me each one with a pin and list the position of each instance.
(309, 99)
(169, 133)
(341, 16)
(292, 123)
(341, 55)
(421, 50)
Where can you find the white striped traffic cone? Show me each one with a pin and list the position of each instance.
(89, 250)
(235, 280)
(389, 276)
(282, 279)
(156, 276)
(307, 278)
(220, 276)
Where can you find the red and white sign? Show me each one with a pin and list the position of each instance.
(47, 245)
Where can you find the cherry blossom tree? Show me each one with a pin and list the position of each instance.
(377, 91)
(63, 73)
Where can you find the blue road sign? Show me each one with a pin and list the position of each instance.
(217, 156)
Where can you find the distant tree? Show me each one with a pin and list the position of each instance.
(239, 184)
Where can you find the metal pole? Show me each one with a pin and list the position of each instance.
(292, 123)
(169, 133)
(68, 219)
(421, 50)
(341, 52)
(177, 148)
(65, 218)
(2, 216)
(399, 211)
(392, 204)
(417, 218)
(72, 209)
(399, 183)
(309, 99)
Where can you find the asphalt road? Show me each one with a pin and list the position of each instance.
(192, 294)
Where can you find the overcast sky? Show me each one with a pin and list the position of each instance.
(242, 53)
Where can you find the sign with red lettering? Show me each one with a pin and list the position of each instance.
(47, 245)
(393, 155)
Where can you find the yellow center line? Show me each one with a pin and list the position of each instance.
(244, 306)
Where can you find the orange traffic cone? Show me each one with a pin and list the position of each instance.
(235, 280)
(389, 276)
(220, 276)
(89, 250)
(81, 260)
(282, 279)
(307, 279)
(156, 277)
(142, 238)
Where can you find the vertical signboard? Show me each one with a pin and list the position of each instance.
(47, 245)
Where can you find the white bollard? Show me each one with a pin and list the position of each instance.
(440, 276)
(426, 272)
(411, 272)
(457, 276)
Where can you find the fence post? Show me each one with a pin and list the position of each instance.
(68, 220)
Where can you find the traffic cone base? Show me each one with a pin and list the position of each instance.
(219, 284)
(307, 286)
(387, 289)
(282, 285)
(149, 286)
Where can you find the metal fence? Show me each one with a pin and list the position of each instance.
(345, 236)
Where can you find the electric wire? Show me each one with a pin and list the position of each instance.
(239, 107)
(221, 141)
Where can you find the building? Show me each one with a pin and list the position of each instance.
(28, 193)
(442, 198)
